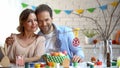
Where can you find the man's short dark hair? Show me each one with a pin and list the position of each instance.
(43, 7)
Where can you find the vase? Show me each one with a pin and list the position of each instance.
(88, 40)
(105, 54)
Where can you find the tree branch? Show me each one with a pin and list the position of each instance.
(104, 31)
(117, 21)
(99, 28)
(111, 16)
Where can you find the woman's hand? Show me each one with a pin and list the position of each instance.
(9, 40)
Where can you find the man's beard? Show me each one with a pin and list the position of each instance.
(47, 29)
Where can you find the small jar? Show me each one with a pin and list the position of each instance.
(20, 60)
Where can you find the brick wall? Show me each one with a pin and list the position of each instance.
(73, 20)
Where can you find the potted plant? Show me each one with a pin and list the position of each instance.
(89, 34)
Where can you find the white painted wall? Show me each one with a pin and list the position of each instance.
(9, 12)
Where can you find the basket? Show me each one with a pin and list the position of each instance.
(56, 59)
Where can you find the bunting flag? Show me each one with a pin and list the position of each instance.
(68, 11)
(80, 11)
(104, 7)
(91, 10)
(76, 31)
(24, 5)
(33, 7)
(57, 11)
(114, 4)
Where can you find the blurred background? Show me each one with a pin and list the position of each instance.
(66, 12)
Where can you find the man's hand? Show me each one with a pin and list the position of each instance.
(9, 40)
(76, 59)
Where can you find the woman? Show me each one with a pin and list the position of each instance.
(27, 43)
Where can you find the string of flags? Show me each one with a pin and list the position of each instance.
(78, 11)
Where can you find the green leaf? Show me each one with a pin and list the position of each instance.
(89, 33)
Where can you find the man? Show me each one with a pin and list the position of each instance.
(58, 38)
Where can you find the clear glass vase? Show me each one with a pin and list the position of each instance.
(105, 52)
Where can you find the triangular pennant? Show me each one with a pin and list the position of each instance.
(80, 11)
(68, 11)
(114, 4)
(33, 7)
(76, 31)
(91, 10)
(104, 7)
(57, 11)
(24, 5)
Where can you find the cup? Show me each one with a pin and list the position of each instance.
(20, 60)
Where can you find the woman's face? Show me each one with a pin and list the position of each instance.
(31, 24)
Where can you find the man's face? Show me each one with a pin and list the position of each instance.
(44, 21)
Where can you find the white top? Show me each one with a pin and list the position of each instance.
(50, 42)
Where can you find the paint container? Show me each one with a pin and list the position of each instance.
(37, 65)
(26, 65)
(31, 65)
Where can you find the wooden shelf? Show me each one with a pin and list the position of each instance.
(92, 46)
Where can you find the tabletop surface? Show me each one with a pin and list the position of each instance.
(81, 65)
